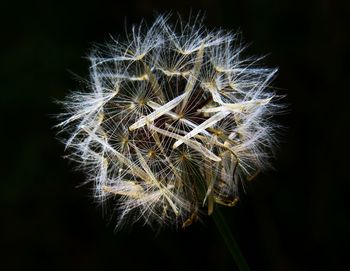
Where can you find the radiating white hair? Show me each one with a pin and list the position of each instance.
(173, 121)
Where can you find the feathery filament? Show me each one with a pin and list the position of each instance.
(172, 123)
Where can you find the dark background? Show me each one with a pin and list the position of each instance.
(293, 218)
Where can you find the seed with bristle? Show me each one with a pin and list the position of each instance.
(173, 121)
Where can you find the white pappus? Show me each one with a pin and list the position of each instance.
(174, 120)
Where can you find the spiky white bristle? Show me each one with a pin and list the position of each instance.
(174, 120)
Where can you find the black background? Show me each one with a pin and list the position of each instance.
(293, 218)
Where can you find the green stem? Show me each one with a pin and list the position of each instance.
(230, 241)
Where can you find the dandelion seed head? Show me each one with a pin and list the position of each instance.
(174, 120)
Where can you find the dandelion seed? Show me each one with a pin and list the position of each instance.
(174, 121)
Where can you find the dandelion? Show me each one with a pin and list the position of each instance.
(174, 121)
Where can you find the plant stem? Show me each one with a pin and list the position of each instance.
(230, 241)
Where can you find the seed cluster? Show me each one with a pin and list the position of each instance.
(173, 121)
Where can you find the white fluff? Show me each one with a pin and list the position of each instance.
(174, 120)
